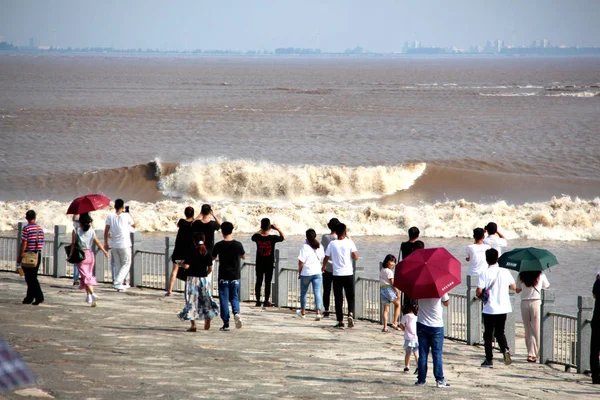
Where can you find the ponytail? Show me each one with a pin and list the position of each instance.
(311, 239)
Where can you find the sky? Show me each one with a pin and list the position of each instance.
(331, 25)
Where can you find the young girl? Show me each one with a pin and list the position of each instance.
(408, 324)
(389, 294)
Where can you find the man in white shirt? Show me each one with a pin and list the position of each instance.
(430, 331)
(495, 239)
(498, 281)
(476, 253)
(341, 252)
(119, 226)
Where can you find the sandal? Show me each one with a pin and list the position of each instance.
(206, 324)
(193, 329)
(386, 330)
(531, 359)
(395, 327)
(168, 294)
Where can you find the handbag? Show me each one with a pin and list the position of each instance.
(30, 259)
(181, 273)
(78, 254)
(485, 293)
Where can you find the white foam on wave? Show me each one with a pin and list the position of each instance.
(221, 179)
(562, 219)
(528, 94)
(584, 94)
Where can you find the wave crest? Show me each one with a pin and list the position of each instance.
(264, 181)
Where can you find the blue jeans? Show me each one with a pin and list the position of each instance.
(75, 273)
(317, 282)
(229, 292)
(430, 337)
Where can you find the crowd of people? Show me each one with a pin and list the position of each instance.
(322, 265)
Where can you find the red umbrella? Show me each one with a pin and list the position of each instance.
(427, 273)
(87, 203)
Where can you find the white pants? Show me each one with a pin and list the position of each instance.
(122, 263)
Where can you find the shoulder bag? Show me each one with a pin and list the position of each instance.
(485, 293)
(30, 259)
(78, 254)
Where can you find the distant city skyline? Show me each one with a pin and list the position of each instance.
(332, 26)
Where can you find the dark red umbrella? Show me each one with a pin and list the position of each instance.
(427, 273)
(87, 203)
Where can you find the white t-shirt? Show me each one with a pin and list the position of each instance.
(476, 255)
(430, 311)
(499, 301)
(534, 292)
(340, 253)
(495, 242)
(312, 260)
(120, 228)
(385, 275)
(87, 238)
(410, 326)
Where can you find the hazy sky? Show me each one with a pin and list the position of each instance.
(332, 25)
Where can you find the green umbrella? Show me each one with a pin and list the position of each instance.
(527, 259)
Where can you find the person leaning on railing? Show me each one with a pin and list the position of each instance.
(595, 341)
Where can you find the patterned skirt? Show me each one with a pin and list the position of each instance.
(199, 304)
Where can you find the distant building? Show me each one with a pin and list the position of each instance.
(31, 43)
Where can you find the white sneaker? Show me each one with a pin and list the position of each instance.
(299, 313)
(238, 321)
(88, 299)
(350, 321)
(318, 317)
(94, 300)
(121, 287)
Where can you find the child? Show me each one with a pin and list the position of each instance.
(408, 324)
(389, 294)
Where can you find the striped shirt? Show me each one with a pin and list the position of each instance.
(30, 233)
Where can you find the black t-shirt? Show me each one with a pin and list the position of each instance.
(208, 229)
(265, 249)
(198, 263)
(596, 291)
(183, 241)
(408, 247)
(229, 253)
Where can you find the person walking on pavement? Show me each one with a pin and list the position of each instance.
(497, 282)
(119, 225)
(32, 241)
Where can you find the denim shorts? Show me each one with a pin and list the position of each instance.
(388, 295)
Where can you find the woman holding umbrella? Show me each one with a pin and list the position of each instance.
(87, 237)
(530, 262)
(530, 286)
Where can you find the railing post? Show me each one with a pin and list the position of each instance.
(245, 281)
(168, 264)
(511, 322)
(60, 257)
(20, 226)
(547, 327)
(99, 262)
(585, 312)
(280, 289)
(473, 312)
(359, 292)
(135, 272)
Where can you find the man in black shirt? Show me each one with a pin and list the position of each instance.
(405, 249)
(595, 342)
(265, 258)
(229, 252)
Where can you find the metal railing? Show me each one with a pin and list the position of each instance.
(153, 269)
(564, 339)
(371, 304)
(456, 314)
(8, 253)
